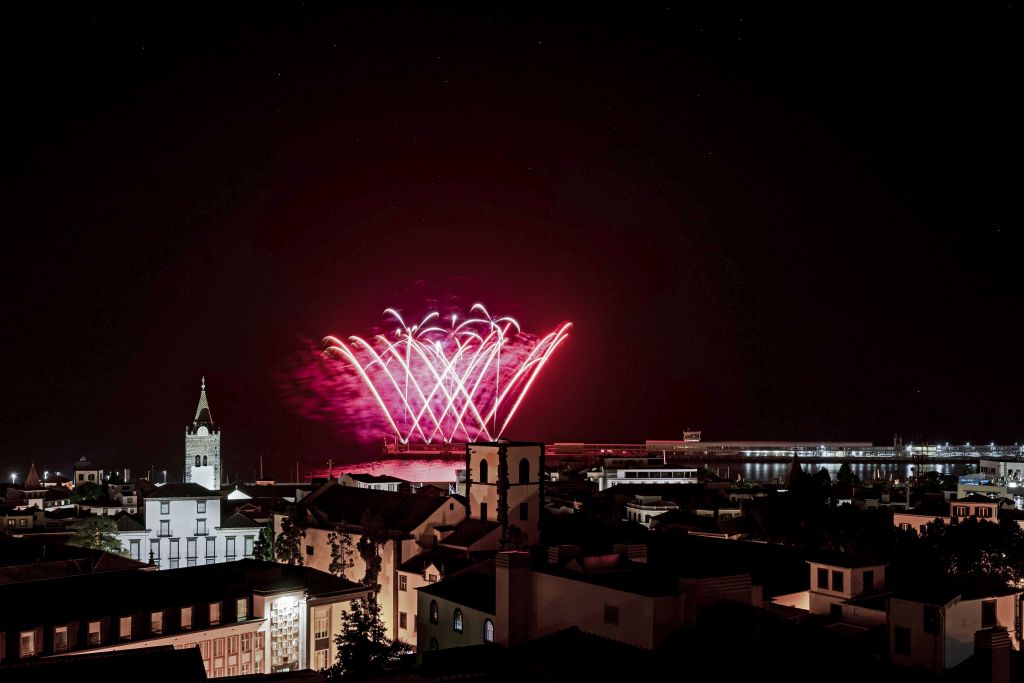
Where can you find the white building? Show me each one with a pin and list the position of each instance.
(934, 626)
(642, 473)
(375, 482)
(87, 473)
(183, 526)
(642, 509)
(202, 447)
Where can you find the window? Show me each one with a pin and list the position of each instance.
(232, 645)
(457, 620)
(126, 628)
(611, 615)
(320, 660)
(156, 622)
(218, 647)
(134, 548)
(403, 582)
(214, 613)
(822, 578)
(165, 507)
(229, 546)
(29, 643)
(483, 471)
(488, 631)
(92, 477)
(242, 609)
(869, 581)
(248, 546)
(434, 616)
(403, 620)
(983, 511)
(190, 549)
(524, 471)
(204, 649)
(988, 613)
(165, 527)
(201, 506)
(483, 511)
(320, 622)
(174, 549)
(960, 510)
(154, 550)
(524, 511)
(901, 641)
(246, 642)
(309, 550)
(94, 633)
(433, 643)
(932, 619)
(431, 578)
(211, 549)
(200, 527)
(186, 618)
(837, 581)
(60, 639)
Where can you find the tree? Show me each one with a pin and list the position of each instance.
(374, 534)
(341, 553)
(363, 646)
(263, 548)
(98, 533)
(89, 493)
(288, 546)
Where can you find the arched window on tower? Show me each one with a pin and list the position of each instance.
(457, 620)
(483, 471)
(524, 471)
(488, 631)
(198, 461)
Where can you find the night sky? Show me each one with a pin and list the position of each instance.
(763, 222)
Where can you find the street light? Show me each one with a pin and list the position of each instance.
(14, 478)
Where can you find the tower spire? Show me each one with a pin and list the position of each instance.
(203, 409)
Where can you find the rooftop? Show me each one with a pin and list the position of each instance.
(473, 587)
(183, 491)
(469, 531)
(399, 511)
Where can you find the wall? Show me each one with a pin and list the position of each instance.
(472, 625)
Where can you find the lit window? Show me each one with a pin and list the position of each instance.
(457, 621)
(94, 633)
(246, 642)
(126, 628)
(242, 609)
(214, 613)
(229, 549)
(156, 622)
(320, 660)
(434, 613)
(29, 643)
(320, 619)
(186, 618)
(488, 631)
(233, 645)
(60, 639)
(134, 545)
(402, 582)
(248, 546)
(218, 647)
(200, 527)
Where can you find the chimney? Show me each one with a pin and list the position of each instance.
(560, 554)
(992, 655)
(514, 602)
(634, 552)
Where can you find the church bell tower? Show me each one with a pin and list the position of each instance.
(202, 446)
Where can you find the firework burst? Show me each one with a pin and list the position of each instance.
(444, 380)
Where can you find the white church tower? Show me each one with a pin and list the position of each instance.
(202, 447)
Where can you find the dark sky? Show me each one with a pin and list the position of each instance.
(764, 222)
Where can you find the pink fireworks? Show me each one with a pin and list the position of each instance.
(447, 380)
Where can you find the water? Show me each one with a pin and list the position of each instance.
(414, 470)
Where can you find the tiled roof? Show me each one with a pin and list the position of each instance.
(128, 522)
(236, 520)
(399, 511)
(183, 491)
(448, 560)
(469, 531)
(473, 587)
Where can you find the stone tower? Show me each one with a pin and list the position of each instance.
(202, 447)
(505, 484)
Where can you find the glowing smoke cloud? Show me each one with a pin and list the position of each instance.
(447, 380)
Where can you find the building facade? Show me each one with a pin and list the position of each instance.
(504, 484)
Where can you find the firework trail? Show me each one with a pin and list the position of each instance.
(444, 380)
